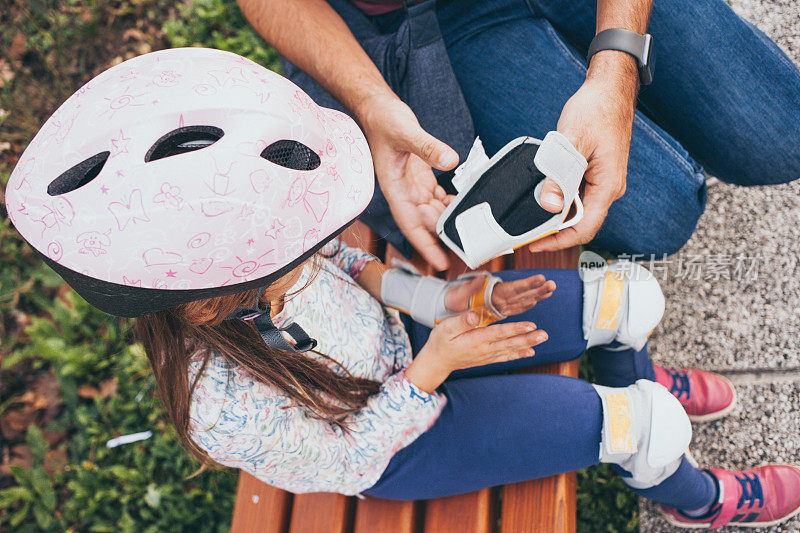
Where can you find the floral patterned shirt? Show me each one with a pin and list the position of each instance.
(247, 424)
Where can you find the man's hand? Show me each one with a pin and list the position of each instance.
(403, 154)
(597, 120)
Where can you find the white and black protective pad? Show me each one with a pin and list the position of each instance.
(497, 208)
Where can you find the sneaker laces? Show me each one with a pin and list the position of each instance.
(751, 490)
(680, 383)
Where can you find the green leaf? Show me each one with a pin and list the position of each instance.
(15, 494)
(19, 516)
(37, 443)
(43, 516)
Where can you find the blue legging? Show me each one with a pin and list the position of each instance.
(500, 428)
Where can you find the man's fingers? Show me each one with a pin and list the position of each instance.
(551, 197)
(429, 249)
(433, 151)
(596, 201)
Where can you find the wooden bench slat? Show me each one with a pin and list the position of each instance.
(358, 235)
(465, 513)
(322, 512)
(386, 516)
(546, 504)
(259, 507)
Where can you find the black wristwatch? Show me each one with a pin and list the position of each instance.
(639, 46)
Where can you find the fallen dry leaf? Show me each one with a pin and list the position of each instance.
(15, 422)
(21, 456)
(109, 387)
(106, 389)
(53, 437)
(16, 50)
(88, 391)
(54, 461)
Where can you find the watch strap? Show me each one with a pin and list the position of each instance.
(630, 42)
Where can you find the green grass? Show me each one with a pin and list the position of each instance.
(73, 375)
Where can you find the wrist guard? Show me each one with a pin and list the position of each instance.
(423, 297)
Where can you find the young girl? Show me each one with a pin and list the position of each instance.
(202, 193)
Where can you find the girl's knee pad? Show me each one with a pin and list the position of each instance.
(622, 302)
(645, 431)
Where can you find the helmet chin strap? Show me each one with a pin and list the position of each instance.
(272, 335)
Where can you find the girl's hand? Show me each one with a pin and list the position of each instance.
(510, 298)
(457, 342)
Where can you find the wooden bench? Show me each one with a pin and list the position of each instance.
(541, 506)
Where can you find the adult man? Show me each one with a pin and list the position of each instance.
(724, 97)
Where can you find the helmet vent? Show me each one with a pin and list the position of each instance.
(79, 175)
(183, 140)
(291, 154)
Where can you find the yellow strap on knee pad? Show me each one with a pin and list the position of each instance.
(611, 301)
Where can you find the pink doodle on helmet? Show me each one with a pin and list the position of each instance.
(311, 237)
(57, 212)
(55, 251)
(93, 242)
(228, 76)
(122, 101)
(315, 203)
(243, 269)
(204, 89)
(221, 181)
(130, 282)
(129, 211)
(169, 196)
(166, 78)
(215, 208)
(201, 266)
(199, 240)
(157, 256)
(119, 144)
(260, 180)
(273, 231)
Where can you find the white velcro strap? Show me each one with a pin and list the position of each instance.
(482, 238)
(472, 168)
(428, 293)
(560, 161)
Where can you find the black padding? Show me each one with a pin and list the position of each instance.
(182, 140)
(126, 301)
(291, 154)
(79, 175)
(508, 187)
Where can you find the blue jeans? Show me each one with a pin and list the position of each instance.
(499, 428)
(724, 100)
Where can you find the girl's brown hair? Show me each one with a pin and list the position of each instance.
(172, 336)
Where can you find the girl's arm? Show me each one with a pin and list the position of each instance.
(261, 432)
(364, 268)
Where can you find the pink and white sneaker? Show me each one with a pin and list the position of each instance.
(762, 496)
(705, 396)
